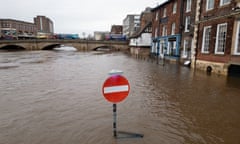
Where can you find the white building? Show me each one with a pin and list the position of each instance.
(140, 43)
(100, 35)
(131, 25)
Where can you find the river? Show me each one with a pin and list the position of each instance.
(54, 97)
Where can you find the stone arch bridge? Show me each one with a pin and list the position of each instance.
(48, 44)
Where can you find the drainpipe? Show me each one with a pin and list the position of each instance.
(181, 30)
(195, 36)
(158, 51)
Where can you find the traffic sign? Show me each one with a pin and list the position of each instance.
(116, 88)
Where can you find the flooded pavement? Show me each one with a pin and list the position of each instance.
(49, 97)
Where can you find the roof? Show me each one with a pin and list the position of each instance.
(14, 20)
(161, 5)
(142, 30)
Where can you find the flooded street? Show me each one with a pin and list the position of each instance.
(54, 97)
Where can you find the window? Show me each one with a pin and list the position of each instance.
(156, 32)
(224, 2)
(173, 28)
(174, 7)
(156, 16)
(163, 47)
(164, 31)
(237, 44)
(187, 23)
(171, 50)
(206, 39)
(186, 48)
(221, 38)
(189, 4)
(209, 5)
(164, 12)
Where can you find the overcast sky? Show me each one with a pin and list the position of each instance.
(76, 16)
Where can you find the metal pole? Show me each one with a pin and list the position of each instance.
(115, 120)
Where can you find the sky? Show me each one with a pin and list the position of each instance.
(76, 16)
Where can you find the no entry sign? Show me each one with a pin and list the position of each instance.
(116, 88)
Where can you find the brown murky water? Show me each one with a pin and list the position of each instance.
(49, 97)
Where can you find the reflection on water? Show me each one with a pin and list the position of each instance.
(55, 97)
(65, 48)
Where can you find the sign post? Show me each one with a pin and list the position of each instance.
(115, 89)
(115, 120)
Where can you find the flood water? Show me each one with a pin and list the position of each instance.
(54, 97)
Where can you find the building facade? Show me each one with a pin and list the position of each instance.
(188, 11)
(131, 25)
(140, 42)
(166, 33)
(218, 47)
(17, 29)
(100, 35)
(44, 24)
(116, 29)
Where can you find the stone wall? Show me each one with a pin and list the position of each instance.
(214, 67)
(140, 52)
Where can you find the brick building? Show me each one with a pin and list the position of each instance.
(166, 33)
(43, 24)
(22, 29)
(116, 29)
(188, 11)
(17, 28)
(217, 44)
(145, 17)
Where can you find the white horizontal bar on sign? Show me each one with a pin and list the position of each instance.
(114, 89)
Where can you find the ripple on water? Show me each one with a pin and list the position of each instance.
(55, 97)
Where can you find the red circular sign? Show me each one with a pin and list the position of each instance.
(116, 88)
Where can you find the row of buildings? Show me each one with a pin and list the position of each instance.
(15, 28)
(202, 33)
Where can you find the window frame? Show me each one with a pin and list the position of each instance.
(156, 32)
(174, 7)
(173, 28)
(187, 48)
(236, 52)
(187, 23)
(217, 39)
(226, 3)
(156, 18)
(204, 39)
(207, 5)
(188, 5)
(164, 12)
(164, 30)
(185, 44)
(171, 49)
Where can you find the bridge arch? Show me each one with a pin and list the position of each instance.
(103, 48)
(12, 48)
(50, 46)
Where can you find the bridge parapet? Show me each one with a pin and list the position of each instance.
(86, 45)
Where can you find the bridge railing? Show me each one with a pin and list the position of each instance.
(63, 41)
